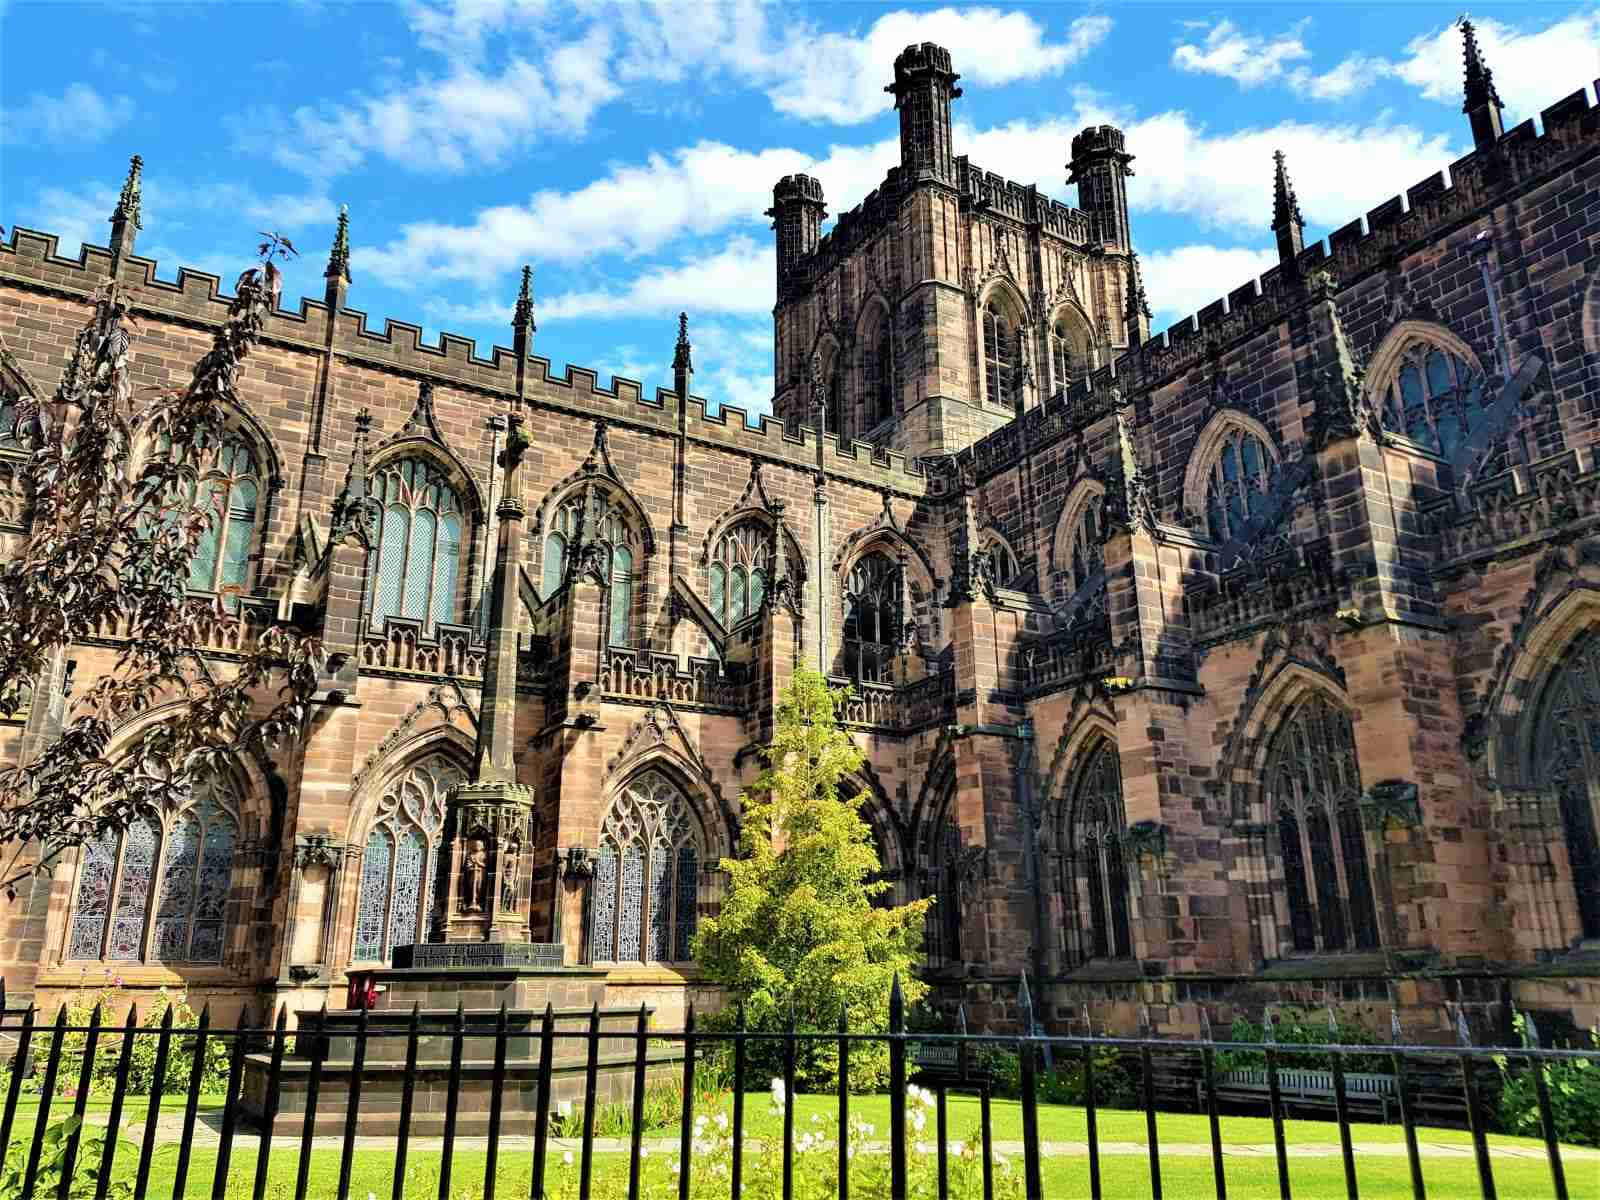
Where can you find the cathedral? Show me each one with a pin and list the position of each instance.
(1255, 662)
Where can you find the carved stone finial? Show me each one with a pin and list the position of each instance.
(1285, 204)
(1135, 305)
(352, 505)
(1479, 83)
(339, 256)
(128, 202)
(681, 358)
(522, 317)
(819, 392)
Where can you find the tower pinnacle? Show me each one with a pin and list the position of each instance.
(126, 218)
(682, 358)
(1135, 308)
(1481, 102)
(1287, 222)
(522, 315)
(339, 255)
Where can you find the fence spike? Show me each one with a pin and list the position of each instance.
(1025, 1005)
(961, 1018)
(1268, 1033)
(1333, 1026)
(1088, 1025)
(897, 1007)
(1396, 1034)
(1205, 1025)
(1463, 1034)
(1530, 1032)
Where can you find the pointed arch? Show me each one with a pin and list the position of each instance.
(422, 540)
(828, 351)
(1002, 319)
(1005, 564)
(1071, 344)
(1094, 878)
(1075, 541)
(875, 365)
(1589, 316)
(1427, 385)
(1220, 476)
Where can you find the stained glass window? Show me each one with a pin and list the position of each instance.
(999, 352)
(998, 558)
(873, 617)
(1434, 397)
(395, 906)
(418, 543)
(741, 564)
(1236, 488)
(1567, 751)
(159, 896)
(646, 911)
(1313, 788)
(597, 516)
(231, 489)
(1097, 883)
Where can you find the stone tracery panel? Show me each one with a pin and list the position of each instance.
(647, 871)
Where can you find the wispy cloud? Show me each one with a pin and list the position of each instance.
(1533, 67)
(78, 114)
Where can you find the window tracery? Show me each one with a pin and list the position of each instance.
(1098, 876)
(1237, 484)
(1432, 397)
(880, 382)
(1064, 363)
(158, 890)
(942, 924)
(395, 901)
(1567, 747)
(417, 543)
(1313, 789)
(873, 617)
(1000, 351)
(739, 572)
(232, 488)
(646, 875)
(618, 541)
(1083, 557)
(998, 561)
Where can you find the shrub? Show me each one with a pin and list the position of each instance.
(85, 1174)
(142, 1060)
(1574, 1086)
(1294, 1028)
(1113, 1086)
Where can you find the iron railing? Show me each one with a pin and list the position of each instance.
(948, 1061)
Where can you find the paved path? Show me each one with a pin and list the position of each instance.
(169, 1128)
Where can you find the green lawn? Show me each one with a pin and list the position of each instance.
(1125, 1178)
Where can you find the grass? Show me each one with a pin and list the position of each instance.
(1124, 1177)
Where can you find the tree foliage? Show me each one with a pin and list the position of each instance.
(116, 511)
(800, 931)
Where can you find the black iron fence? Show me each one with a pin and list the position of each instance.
(54, 1063)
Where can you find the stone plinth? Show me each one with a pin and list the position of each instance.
(573, 993)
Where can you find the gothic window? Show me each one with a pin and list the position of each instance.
(605, 526)
(942, 924)
(834, 417)
(1236, 487)
(873, 618)
(231, 488)
(997, 558)
(647, 875)
(1434, 398)
(394, 905)
(1097, 884)
(11, 438)
(417, 543)
(1085, 557)
(1567, 749)
(1063, 365)
(1313, 787)
(999, 353)
(880, 382)
(741, 567)
(157, 891)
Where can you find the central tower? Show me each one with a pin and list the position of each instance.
(923, 87)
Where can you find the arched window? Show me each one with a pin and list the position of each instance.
(1084, 555)
(1313, 789)
(232, 489)
(11, 438)
(399, 861)
(417, 543)
(1433, 397)
(1567, 749)
(607, 526)
(880, 384)
(1236, 487)
(999, 561)
(741, 568)
(834, 416)
(646, 875)
(1063, 362)
(1097, 883)
(873, 618)
(942, 924)
(999, 352)
(157, 891)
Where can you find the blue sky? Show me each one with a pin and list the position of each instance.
(627, 149)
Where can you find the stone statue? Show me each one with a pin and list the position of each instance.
(508, 875)
(474, 870)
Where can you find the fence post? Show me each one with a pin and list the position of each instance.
(308, 1125)
(1275, 1094)
(408, 1087)
(491, 1166)
(590, 1074)
(18, 1068)
(358, 1062)
(1030, 1095)
(897, 1091)
(230, 1109)
(541, 1116)
(686, 1127)
(737, 1166)
(1547, 1123)
(638, 1104)
(788, 1105)
(158, 1086)
(458, 1046)
(114, 1123)
(269, 1103)
(46, 1095)
(80, 1104)
(844, 1104)
(1341, 1104)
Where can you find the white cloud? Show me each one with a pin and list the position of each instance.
(1249, 59)
(1532, 68)
(75, 217)
(78, 114)
(739, 280)
(840, 77)
(1187, 278)
(634, 209)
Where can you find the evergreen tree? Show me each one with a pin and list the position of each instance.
(799, 932)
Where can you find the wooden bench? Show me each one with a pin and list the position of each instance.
(1306, 1089)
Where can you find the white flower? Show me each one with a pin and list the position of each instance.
(850, 1152)
(957, 1148)
(922, 1147)
(675, 1167)
(816, 1118)
(777, 1091)
(644, 1151)
(700, 1122)
(566, 1159)
(564, 1109)
(918, 1120)
(722, 1120)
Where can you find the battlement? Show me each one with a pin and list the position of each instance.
(29, 258)
(1431, 207)
(860, 224)
(791, 189)
(1099, 139)
(923, 59)
(1021, 202)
